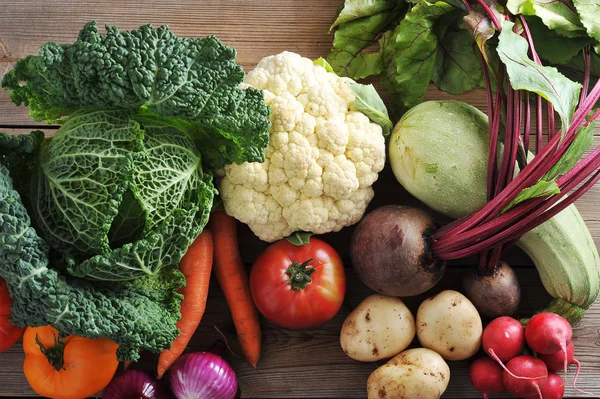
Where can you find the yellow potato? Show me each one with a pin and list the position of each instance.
(379, 328)
(449, 324)
(414, 374)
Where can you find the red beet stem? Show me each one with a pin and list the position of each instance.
(586, 74)
(491, 228)
(527, 124)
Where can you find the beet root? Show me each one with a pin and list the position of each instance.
(390, 251)
(494, 295)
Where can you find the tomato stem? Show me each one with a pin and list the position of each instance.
(54, 354)
(300, 274)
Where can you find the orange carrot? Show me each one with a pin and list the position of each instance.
(233, 279)
(196, 266)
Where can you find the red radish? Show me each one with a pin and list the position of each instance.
(503, 338)
(556, 361)
(547, 333)
(526, 376)
(554, 388)
(486, 376)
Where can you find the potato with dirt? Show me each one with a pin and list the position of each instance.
(449, 324)
(418, 373)
(379, 328)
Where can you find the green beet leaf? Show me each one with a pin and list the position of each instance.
(583, 141)
(409, 54)
(542, 188)
(575, 68)
(346, 56)
(481, 28)
(525, 74)
(554, 47)
(457, 68)
(559, 16)
(358, 9)
(589, 12)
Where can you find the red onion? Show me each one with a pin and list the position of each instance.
(135, 384)
(203, 375)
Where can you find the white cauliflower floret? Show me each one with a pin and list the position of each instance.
(322, 158)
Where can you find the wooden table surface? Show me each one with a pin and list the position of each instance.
(300, 363)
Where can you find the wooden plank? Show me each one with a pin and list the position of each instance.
(310, 363)
(295, 363)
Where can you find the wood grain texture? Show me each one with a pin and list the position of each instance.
(300, 364)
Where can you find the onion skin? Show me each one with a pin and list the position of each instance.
(135, 384)
(202, 375)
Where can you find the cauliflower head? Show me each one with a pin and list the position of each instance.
(322, 157)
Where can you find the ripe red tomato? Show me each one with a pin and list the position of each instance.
(298, 286)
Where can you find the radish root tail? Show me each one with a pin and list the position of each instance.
(497, 359)
(537, 387)
(578, 364)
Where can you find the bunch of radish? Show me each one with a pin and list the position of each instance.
(509, 369)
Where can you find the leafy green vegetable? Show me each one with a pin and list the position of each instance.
(141, 315)
(589, 12)
(526, 74)
(351, 38)
(457, 66)
(583, 141)
(557, 15)
(409, 54)
(74, 206)
(192, 79)
(575, 68)
(300, 238)
(369, 103)
(19, 144)
(122, 189)
(482, 30)
(358, 9)
(322, 62)
(552, 46)
(542, 188)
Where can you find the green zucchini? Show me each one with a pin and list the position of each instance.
(439, 151)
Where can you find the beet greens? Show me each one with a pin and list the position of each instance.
(533, 61)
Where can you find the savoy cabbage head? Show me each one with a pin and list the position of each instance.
(96, 218)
